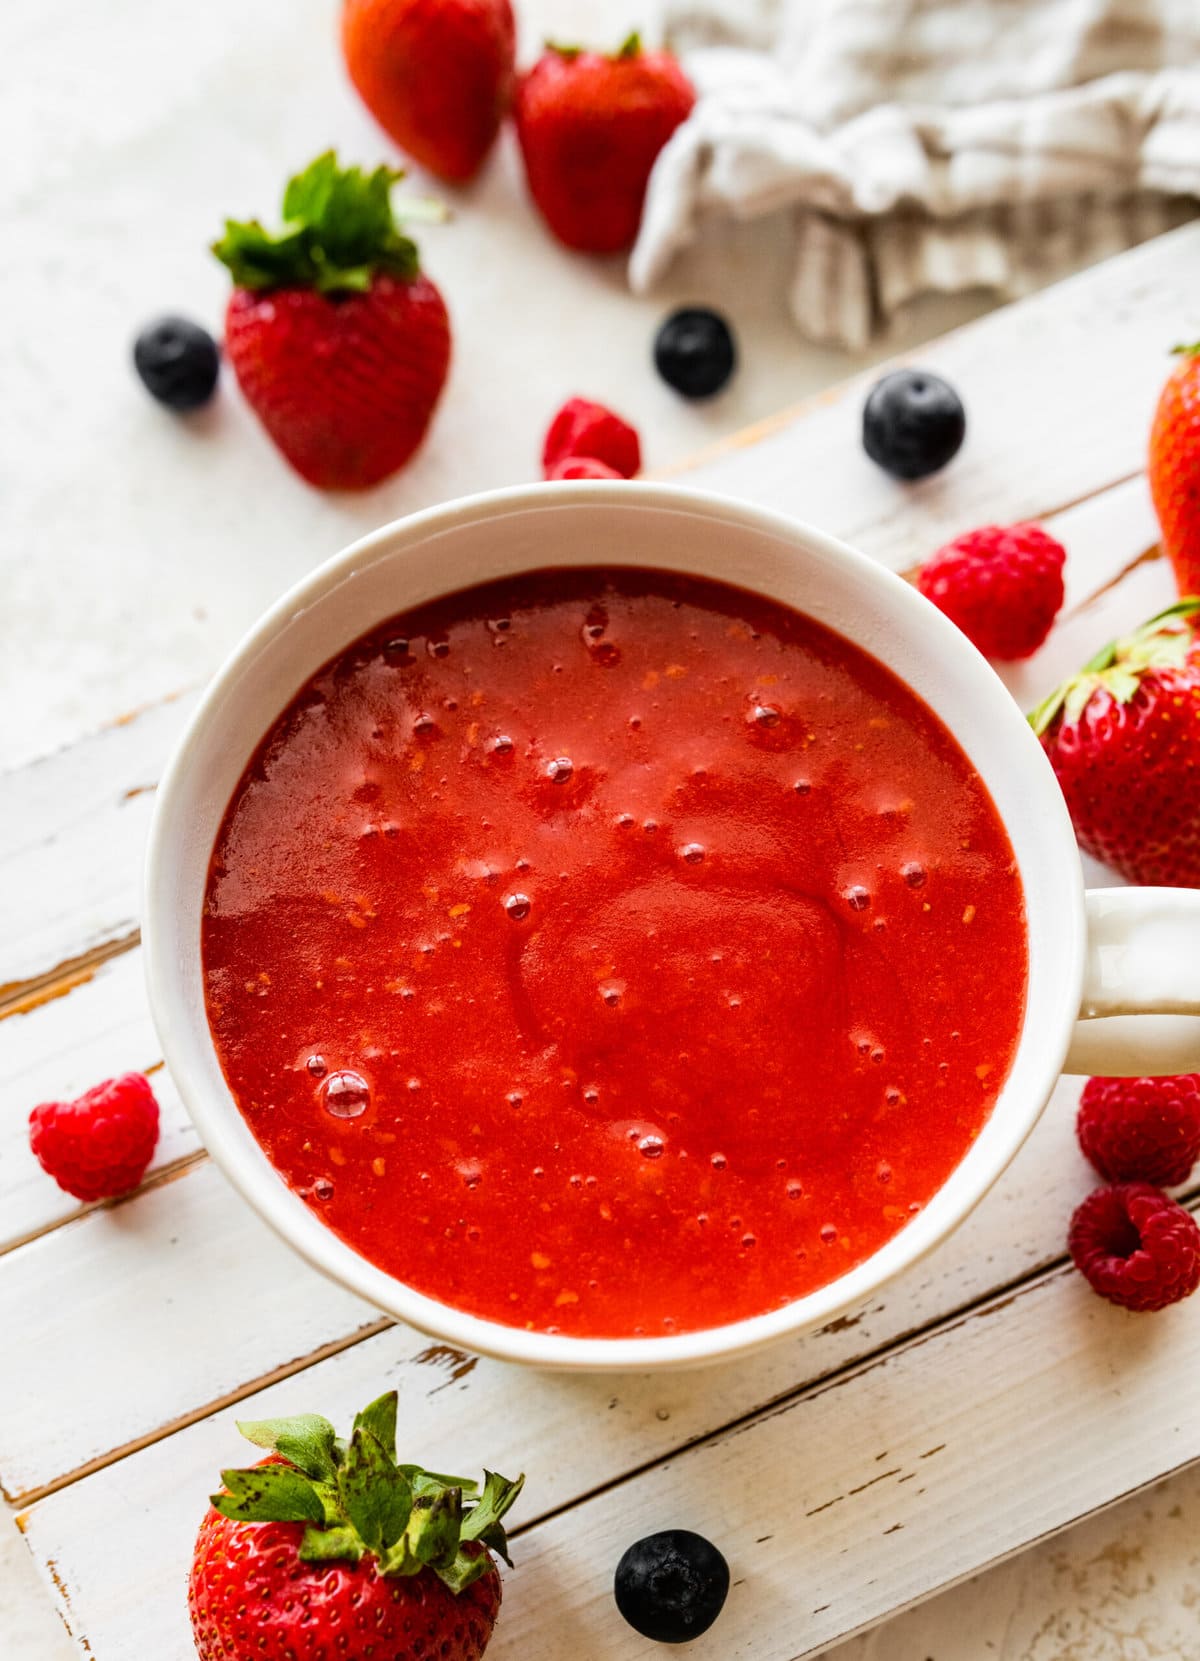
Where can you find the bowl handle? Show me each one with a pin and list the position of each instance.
(1140, 1012)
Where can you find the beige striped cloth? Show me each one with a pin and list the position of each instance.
(922, 145)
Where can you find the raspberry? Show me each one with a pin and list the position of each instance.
(99, 1145)
(582, 467)
(1141, 1129)
(1003, 586)
(1135, 1246)
(582, 428)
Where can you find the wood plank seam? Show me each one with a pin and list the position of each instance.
(287, 1369)
(994, 1301)
(21, 996)
(158, 1178)
(995, 1561)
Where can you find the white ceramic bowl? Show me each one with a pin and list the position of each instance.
(484, 537)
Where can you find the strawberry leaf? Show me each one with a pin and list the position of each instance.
(308, 1441)
(269, 1494)
(483, 1521)
(466, 1568)
(376, 1497)
(380, 1419)
(356, 1500)
(428, 1482)
(339, 231)
(433, 1529)
(1165, 642)
(326, 1545)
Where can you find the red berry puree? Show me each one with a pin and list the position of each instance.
(612, 952)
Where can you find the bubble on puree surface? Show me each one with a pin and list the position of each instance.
(612, 952)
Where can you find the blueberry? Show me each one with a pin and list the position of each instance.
(177, 361)
(694, 352)
(671, 1586)
(913, 422)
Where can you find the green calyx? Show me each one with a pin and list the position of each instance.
(1162, 643)
(1191, 351)
(630, 47)
(356, 1499)
(339, 229)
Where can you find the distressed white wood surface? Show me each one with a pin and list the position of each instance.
(72, 827)
(835, 1506)
(260, 1312)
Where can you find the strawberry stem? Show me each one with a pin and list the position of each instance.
(355, 1498)
(1118, 668)
(630, 47)
(339, 230)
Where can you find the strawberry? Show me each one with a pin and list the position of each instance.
(1175, 468)
(332, 1551)
(339, 344)
(1123, 737)
(436, 75)
(590, 127)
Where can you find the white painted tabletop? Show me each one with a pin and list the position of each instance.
(135, 547)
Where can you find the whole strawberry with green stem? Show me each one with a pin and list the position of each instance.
(591, 125)
(330, 1550)
(339, 342)
(1123, 737)
(1174, 468)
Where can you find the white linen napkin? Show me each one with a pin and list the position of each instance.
(929, 144)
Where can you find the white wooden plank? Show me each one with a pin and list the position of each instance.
(138, 1313)
(848, 1500)
(1050, 418)
(60, 1048)
(71, 833)
(1119, 1586)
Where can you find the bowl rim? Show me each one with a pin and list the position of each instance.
(260, 1184)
